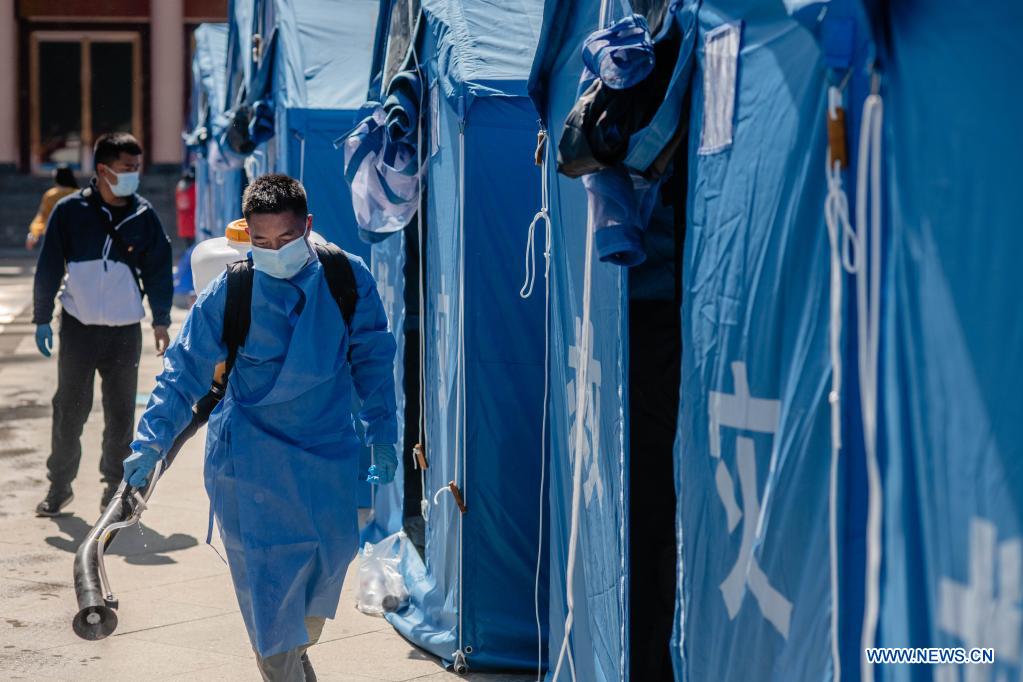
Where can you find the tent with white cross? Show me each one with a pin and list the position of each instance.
(613, 372)
(474, 597)
(877, 502)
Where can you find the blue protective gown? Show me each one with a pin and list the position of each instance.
(281, 449)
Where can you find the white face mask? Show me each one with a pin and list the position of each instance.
(127, 184)
(285, 262)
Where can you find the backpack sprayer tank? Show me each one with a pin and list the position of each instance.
(210, 257)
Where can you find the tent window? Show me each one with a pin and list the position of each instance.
(721, 61)
(434, 119)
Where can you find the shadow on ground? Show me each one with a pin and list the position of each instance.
(139, 545)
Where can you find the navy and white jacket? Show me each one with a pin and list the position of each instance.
(99, 287)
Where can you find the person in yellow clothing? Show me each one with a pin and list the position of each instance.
(64, 183)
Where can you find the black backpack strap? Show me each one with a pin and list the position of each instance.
(126, 252)
(237, 309)
(337, 268)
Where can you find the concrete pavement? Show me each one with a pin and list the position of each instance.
(178, 617)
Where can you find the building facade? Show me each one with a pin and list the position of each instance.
(85, 67)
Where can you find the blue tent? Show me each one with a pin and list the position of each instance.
(753, 518)
(754, 448)
(474, 600)
(598, 643)
(950, 433)
(907, 534)
(310, 61)
(218, 190)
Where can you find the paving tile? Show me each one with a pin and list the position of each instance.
(448, 676)
(246, 672)
(383, 654)
(109, 660)
(224, 635)
(214, 591)
(39, 616)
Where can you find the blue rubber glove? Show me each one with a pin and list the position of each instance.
(385, 464)
(139, 467)
(44, 339)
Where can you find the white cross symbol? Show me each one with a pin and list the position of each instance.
(741, 411)
(441, 328)
(977, 613)
(591, 420)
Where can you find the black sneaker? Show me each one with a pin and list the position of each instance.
(307, 668)
(108, 494)
(56, 499)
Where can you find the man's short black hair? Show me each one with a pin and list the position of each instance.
(109, 147)
(275, 193)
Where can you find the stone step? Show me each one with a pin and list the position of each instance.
(21, 195)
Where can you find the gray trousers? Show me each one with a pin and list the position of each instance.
(293, 665)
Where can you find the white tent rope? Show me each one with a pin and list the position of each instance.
(460, 367)
(582, 394)
(546, 397)
(868, 313)
(544, 216)
(836, 215)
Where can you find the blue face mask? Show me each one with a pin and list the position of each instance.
(285, 262)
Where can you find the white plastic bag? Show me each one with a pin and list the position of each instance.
(381, 584)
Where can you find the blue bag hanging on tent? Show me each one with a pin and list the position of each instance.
(621, 55)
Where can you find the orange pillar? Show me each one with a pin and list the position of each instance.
(167, 79)
(8, 84)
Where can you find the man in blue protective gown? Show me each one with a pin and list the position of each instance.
(282, 454)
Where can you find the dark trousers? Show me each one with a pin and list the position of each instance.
(85, 349)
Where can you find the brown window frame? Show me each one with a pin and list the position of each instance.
(85, 40)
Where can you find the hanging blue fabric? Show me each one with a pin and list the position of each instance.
(261, 125)
(401, 106)
(195, 140)
(261, 86)
(621, 197)
(621, 55)
(382, 175)
(620, 204)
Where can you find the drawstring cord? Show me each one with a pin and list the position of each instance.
(868, 314)
(544, 216)
(836, 215)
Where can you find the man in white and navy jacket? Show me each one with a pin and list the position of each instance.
(106, 245)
